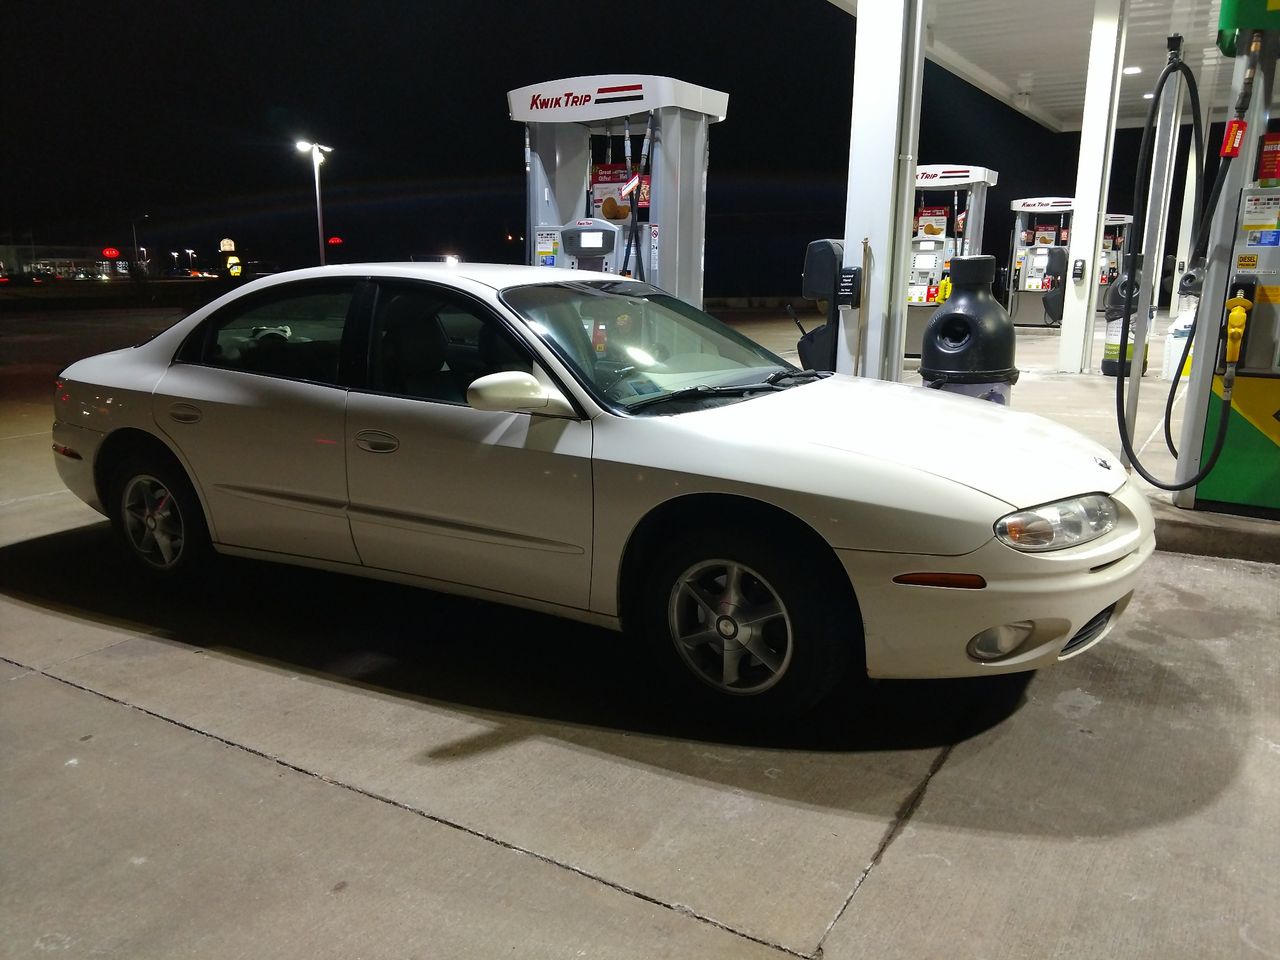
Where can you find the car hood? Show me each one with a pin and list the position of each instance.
(1020, 458)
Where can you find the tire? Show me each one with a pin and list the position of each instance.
(745, 624)
(157, 517)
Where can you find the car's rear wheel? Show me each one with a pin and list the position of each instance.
(157, 516)
(746, 624)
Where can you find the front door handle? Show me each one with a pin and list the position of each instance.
(375, 441)
(185, 413)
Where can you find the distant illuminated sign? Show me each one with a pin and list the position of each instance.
(334, 241)
(110, 252)
(227, 246)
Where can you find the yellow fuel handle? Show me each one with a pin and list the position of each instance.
(1236, 319)
(944, 290)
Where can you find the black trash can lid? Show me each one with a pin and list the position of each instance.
(967, 270)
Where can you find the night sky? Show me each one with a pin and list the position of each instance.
(189, 113)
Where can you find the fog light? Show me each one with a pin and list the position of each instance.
(996, 642)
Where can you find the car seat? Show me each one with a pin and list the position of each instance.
(497, 353)
(414, 346)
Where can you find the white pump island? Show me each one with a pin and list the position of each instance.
(594, 202)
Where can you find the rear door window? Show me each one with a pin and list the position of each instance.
(294, 331)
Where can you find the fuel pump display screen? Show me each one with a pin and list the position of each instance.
(591, 241)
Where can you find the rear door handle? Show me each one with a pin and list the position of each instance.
(185, 413)
(375, 441)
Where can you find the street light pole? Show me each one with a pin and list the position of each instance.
(191, 259)
(133, 223)
(317, 151)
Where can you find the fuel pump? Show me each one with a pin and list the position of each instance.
(942, 231)
(650, 209)
(1114, 228)
(1038, 223)
(1038, 261)
(1245, 390)
(1229, 457)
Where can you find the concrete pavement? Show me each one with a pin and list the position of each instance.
(290, 763)
(189, 776)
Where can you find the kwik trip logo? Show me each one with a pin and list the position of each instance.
(631, 91)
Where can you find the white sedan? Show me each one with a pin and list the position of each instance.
(589, 446)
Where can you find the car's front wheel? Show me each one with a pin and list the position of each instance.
(752, 625)
(157, 516)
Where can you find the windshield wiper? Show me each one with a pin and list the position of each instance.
(782, 375)
(704, 390)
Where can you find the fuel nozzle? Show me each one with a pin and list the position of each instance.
(944, 289)
(1238, 307)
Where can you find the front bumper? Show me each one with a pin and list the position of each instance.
(919, 632)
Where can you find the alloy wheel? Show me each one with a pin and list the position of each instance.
(730, 626)
(153, 522)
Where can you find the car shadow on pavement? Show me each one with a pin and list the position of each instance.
(470, 653)
(526, 675)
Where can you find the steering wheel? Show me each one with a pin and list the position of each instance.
(265, 334)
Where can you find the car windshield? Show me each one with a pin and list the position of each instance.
(634, 346)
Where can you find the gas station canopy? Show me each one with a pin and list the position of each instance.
(1034, 56)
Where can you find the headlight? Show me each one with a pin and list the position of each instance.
(1058, 525)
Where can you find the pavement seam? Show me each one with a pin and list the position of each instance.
(34, 496)
(73, 659)
(25, 436)
(900, 821)
(28, 671)
(678, 908)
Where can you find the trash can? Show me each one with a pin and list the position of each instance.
(969, 342)
(1114, 316)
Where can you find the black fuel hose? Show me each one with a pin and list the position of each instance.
(1200, 231)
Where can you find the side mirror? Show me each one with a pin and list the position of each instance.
(514, 391)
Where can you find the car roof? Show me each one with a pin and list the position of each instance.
(496, 275)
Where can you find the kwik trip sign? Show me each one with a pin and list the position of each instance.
(551, 100)
(610, 97)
